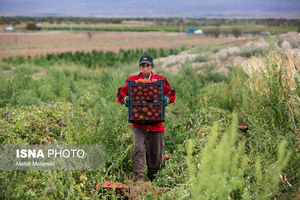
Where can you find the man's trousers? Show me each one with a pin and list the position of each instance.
(153, 143)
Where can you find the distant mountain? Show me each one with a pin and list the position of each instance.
(152, 8)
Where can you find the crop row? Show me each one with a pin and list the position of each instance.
(93, 58)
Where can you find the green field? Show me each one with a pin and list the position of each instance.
(210, 157)
(249, 28)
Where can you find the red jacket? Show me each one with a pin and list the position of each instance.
(171, 94)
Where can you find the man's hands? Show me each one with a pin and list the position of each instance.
(126, 101)
(166, 100)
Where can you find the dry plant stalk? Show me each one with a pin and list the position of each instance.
(254, 68)
(140, 189)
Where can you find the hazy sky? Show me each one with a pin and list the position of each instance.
(152, 8)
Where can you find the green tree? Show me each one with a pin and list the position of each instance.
(237, 32)
(31, 26)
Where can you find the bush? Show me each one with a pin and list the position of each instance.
(218, 171)
(32, 26)
(213, 32)
(255, 51)
(217, 167)
(200, 58)
(237, 32)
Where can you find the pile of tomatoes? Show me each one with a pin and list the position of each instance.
(145, 92)
(146, 81)
(146, 112)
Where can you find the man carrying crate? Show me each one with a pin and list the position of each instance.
(149, 137)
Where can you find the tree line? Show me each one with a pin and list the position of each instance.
(172, 21)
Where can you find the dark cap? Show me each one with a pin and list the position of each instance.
(146, 59)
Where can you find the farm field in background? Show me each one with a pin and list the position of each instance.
(248, 26)
(38, 43)
(225, 28)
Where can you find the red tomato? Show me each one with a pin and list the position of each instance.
(134, 110)
(136, 115)
(145, 110)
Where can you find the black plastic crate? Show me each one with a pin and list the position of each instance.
(139, 115)
(146, 91)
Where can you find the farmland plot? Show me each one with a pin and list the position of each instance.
(37, 43)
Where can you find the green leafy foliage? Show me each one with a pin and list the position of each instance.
(220, 166)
